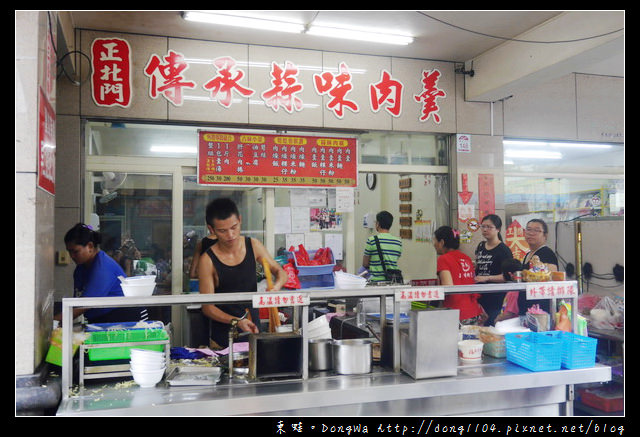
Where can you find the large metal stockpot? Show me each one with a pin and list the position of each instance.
(320, 354)
(352, 356)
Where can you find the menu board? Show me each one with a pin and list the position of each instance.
(226, 158)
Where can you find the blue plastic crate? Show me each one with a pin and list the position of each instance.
(317, 281)
(325, 269)
(537, 351)
(578, 351)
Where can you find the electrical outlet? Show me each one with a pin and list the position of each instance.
(63, 258)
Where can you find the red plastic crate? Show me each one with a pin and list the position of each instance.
(607, 399)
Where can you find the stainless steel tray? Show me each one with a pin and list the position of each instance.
(194, 375)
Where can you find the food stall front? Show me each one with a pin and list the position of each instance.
(489, 386)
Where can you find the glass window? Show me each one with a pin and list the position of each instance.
(143, 140)
(134, 212)
(195, 200)
(560, 181)
(398, 148)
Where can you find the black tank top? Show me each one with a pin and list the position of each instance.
(238, 278)
(206, 244)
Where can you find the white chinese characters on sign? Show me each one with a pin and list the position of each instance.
(111, 72)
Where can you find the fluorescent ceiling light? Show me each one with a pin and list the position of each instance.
(287, 26)
(556, 144)
(359, 35)
(532, 154)
(582, 145)
(248, 22)
(173, 149)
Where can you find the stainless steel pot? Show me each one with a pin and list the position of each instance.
(352, 356)
(320, 354)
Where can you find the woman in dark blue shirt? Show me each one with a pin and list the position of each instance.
(96, 275)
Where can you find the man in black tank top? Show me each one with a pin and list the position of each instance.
(230, 266)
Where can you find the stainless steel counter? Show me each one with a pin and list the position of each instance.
(494, 388)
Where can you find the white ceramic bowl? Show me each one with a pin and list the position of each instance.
(147, 378)
(142, 289)
(147, 362)
(149, 355)
(147, 367)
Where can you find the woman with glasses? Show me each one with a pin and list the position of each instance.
(490, 254)
(536, 236)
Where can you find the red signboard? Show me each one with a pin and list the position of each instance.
(111, 72)
(226, 158)
(46, 145)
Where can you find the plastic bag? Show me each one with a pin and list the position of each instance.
(293, 282)
(563, 322)
(607, 314)
(536, 319)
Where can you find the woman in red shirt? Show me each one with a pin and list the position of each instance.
(456, 268)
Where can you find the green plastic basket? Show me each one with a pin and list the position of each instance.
(123, 336)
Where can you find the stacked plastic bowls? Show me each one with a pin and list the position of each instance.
(147, 367)
(138, 285)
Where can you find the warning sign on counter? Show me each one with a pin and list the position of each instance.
(226, 158)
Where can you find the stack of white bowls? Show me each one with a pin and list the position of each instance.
(318, 328)
(346, 280)
(138, 285)
(147, 367)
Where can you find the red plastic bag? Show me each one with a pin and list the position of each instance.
(293, 283)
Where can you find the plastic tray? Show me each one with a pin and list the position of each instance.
(536, 351)
(123, 336)
(578, 351)
(147, 324)
(317, 281)
(194, 375)
(313, 270)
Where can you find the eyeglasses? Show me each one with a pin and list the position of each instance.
(533, 231)
(487, 227)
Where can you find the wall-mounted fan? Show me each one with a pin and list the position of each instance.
(110, 183)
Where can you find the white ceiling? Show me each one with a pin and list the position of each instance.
(433, 38)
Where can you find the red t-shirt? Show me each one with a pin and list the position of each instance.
(463, 273)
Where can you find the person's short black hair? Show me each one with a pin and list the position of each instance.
(384, 219)
(220, 209)
(82, 235)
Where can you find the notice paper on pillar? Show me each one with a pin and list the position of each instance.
(486, 195)
(465, 212)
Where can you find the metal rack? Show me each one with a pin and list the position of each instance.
(115, 370)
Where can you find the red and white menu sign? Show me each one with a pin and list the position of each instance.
(226, 158)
